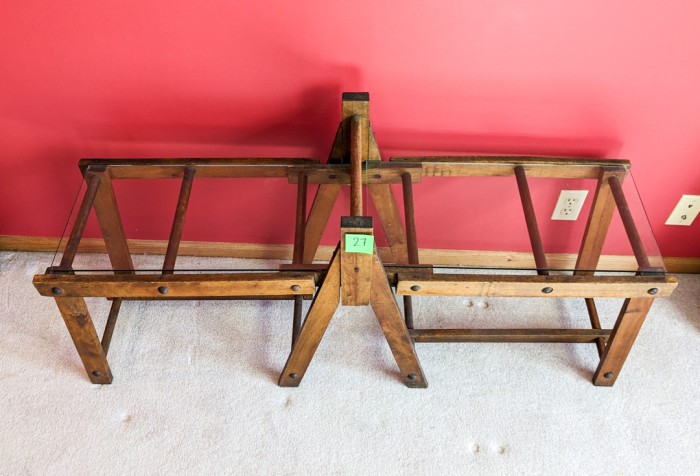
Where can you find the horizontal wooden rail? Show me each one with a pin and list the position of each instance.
(503, 166)
(176, 285)
(509, 335)
(213, 171)
(372, 173)
(537, 286)
(83, 164)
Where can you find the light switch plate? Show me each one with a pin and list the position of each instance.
(686, 210)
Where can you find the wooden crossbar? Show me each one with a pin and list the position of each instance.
(509, 335)
(536, 286)
(278, 283)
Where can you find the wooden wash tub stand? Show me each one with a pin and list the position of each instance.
(359, 278)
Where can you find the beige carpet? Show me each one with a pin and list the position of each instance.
(195, 392)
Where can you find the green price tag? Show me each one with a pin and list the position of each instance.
(359, 243)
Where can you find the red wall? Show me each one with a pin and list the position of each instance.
(166, 78)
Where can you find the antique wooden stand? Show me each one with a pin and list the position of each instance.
(359, 279)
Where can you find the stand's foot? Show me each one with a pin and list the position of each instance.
(324, 306)
(320, 314)
(627, 326)
(82, 331)
(392, 324)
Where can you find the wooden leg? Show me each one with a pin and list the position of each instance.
(390, 219)
(82, 331)
(321, 209)
(392, 324)
(322, 309)
(631, 318)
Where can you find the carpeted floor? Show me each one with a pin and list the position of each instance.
(195, 392)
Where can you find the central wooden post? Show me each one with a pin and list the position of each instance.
(356, 273)
(355, 136)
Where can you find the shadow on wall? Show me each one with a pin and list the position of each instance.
(415, 142)
(306, 120)
(277, 124)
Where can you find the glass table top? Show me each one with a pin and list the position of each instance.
(468, 214)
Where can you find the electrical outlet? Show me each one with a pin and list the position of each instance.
(686, 210)
(569, 204)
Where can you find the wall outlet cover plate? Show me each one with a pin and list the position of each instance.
(569, 204)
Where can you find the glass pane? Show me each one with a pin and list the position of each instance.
(467, 223)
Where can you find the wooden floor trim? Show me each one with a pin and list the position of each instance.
(284, 252)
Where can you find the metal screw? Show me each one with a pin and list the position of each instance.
(163, 289)
(97, 373)
(296, 287)
(608, 375)
(653, 291)
(357, 270)
(547, 290)
(56, 291)
(293, 376)
(415, 287)
(412, 376)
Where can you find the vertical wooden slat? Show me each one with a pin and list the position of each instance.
(298, 254)
(356, 147)
(408, 311)
(410, 216)
(178, 221)
(624, 333)
(297, 318)
(628, 222)
(80, 222)
(411, 240)
(531, 221)
(598, 223)
(300, 222)
(111, 225)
